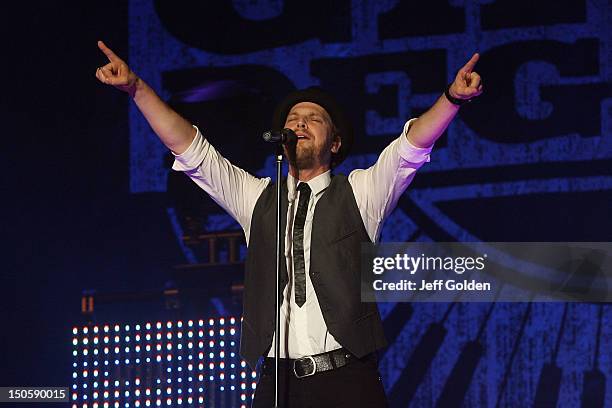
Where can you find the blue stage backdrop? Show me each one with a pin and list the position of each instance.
(529, 160)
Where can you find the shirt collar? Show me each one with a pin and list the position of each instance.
(317, 185)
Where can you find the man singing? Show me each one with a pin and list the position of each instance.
(328, 337)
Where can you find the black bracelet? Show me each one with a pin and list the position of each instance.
(452, 99)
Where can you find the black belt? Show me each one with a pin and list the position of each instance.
(310, 365)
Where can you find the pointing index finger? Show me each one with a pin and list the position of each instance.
(112, 57)
(467, 68)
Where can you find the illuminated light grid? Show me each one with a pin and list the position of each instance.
(153, 364)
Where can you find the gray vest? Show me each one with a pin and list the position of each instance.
(337, 234)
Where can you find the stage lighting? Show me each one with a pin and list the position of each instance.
(159, 364)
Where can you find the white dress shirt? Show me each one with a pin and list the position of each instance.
(376, 189)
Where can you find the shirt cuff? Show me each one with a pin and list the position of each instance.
(410, 152)
(192, 157)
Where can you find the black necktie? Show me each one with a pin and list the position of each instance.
(299, 267)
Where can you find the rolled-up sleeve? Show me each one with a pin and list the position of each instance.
(193, 156)
(409, 152)
(234, 189)
(378, 188)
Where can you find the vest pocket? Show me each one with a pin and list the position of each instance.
(344, 236)
(247, 327)
(366, 316)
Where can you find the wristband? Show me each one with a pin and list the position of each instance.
(452, 99)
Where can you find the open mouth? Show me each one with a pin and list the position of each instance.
(301, 136)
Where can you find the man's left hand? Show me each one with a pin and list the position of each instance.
(467, 83)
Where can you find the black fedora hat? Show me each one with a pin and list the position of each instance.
(317, 95)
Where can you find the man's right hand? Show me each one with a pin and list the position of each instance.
(116, 72)
(173, 130)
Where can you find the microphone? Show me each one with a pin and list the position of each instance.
(280, 136)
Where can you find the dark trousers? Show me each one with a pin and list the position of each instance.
(355, 385)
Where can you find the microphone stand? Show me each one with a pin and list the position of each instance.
(279, 256)
(285, 136)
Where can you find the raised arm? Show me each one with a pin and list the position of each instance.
(173, 130)
(378, 188)
(430, 125)
(230, 186)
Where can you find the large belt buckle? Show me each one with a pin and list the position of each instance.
(307, 358)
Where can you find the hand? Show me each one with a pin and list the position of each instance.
(116, 72)
(467, 84)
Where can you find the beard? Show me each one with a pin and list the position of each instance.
(307, 155)
(302, 157)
